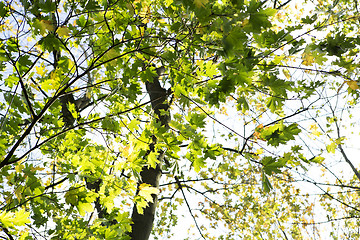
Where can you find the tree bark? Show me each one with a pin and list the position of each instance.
(143, 223)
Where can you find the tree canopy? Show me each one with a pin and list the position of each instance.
(179, 119)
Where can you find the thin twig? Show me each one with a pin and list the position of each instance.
(188, 206)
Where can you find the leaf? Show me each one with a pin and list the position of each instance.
(199, 163)
(242, 104)
(309, 19)
(260, 19)
(152, 159)
(43, 26)
(84, 207)
(271, 165)
(146, 190)
(274, 103)
(63, 31)
(140, 204)
(133, 125)
(279, 133)
(3, 10)
(197, 119)
(11, 219)
(21, 217)
(331, 147)
(308, 58)
(352, 84)
(266, 183)
(81, 22)
(317, 159)
(108, 202)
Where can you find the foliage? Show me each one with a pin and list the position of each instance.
(252, 105)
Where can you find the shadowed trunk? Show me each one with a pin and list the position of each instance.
(143, 223)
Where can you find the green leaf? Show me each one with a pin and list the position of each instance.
(266, 183)
(279, 133)
(110, 124)
(309, 19)
(271, 165)
(197, 119)
(3, 10)
(274, 103)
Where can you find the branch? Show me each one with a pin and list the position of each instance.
(230, 129)
(6, 231)
(280, 6)
(241, 153)
(307, 32)
(301, 68)
(7, 162)
(188, 206)
(62, 91)
(56, 183)
(332, 197)
(269, 124)
(356, 172)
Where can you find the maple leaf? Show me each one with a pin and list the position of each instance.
(43, 26)
(352, 84)
(63, 31)
(146, 190)
(308, 59)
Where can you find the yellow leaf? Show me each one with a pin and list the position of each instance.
(307, 58)
(18, 193)
(315, 130)
(145, 14)
(352, 84)
(84, 207)
(245, 22)
(63, 31)
(40, 70)
(10, 219)
(146, 190)
(108, 203)
(140, 205)
(6, 219)
(21, 217)
(161, 20)
(286, 73)
(259, 151)
(19, 168)
(24, 234)
(200, 3)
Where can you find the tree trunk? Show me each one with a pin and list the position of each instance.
(143, 223)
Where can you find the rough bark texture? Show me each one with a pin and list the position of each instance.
(143, 223)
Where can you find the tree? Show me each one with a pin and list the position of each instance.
(118, 115)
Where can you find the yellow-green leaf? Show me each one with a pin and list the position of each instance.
(152, 159)
(63, 31)
(84, 207)
(352, 84)
(10, 219)
(146, 190)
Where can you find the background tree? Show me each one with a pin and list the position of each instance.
(238, 112)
